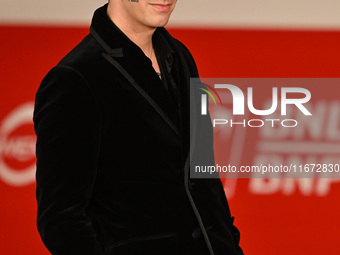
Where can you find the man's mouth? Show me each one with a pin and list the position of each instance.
(162, 7)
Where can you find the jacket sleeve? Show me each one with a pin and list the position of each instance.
(67, 124)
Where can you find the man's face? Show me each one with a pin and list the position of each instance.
(147, 13)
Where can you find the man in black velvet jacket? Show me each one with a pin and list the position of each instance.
(112, 125)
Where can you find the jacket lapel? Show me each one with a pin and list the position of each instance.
(131, 62)
(185, 68)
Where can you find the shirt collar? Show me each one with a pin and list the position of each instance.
(163, 50)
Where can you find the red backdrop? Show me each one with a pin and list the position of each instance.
(271, 222)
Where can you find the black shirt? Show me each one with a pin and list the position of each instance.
(165, 58)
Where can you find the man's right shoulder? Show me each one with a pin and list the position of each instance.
(84, 56)
(84, 63)
(71, 74)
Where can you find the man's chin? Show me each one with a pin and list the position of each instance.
(160, 22)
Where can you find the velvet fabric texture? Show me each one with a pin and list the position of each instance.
(111, 149)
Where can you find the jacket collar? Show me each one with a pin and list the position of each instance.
(112, 37)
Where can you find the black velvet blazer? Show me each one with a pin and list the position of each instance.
(112, 148)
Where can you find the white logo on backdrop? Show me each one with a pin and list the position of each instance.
(20, 148)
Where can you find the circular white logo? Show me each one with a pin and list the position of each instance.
(17, 146)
